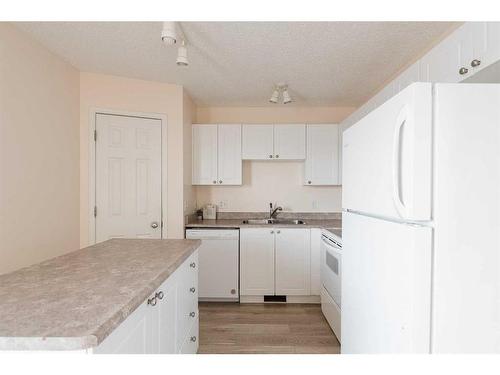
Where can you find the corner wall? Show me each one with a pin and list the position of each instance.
(39, 152)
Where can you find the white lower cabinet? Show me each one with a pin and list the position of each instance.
(275, 261)
(166, 323)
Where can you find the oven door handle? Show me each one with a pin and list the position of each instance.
(332, 249)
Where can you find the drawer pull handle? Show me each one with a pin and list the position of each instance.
(192, 265)
(159, 295)
(192, 289)
(193, 338)
(192, 314)
(152, 301)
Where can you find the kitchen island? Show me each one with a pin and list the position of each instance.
(81, 300)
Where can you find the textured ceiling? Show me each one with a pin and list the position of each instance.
(236, 63)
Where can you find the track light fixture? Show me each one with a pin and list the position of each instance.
(169, 33)
(280, 89)
(275, 96)
(182, 55)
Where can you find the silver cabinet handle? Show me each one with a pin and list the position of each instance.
(220, 181)
(475, 63)
(278, 231)
(214, 181)
(277, 156)
(154, 225)
(192, 289)
(309, 182)
(159, 295)
(192, 265)
(272, 232)
(193, 338)
(270, 156)
(463, 71)
(152, 301)
(192, 314)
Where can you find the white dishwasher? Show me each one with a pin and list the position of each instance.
(218, 259)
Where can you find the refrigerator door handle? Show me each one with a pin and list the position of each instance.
(396, 161)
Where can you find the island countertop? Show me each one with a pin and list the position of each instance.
(76, 300)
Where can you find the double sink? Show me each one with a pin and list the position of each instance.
(273, 221)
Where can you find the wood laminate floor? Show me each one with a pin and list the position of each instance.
(231, 328)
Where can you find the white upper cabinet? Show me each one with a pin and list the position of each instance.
(217, 154)
(204, 154)
(322, 160)
(274, 142)
(257, 142)
(290, 142)
(229, 155)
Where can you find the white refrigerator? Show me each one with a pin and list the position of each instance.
(421, 223)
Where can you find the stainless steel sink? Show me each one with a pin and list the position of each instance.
(273, 221)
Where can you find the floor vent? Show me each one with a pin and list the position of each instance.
(274, 298)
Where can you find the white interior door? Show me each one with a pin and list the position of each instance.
(128, 177)
(386, 286)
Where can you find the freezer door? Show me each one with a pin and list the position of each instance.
(387, 158)
(386, 286)
(466, 312)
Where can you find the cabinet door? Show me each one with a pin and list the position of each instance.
(134, 335)
(167, 318)
(492, 43)
(257, 142)
(442, 63)
(256, 262)
(290, 142)
(322, 161)
(204, 154)
(229, 154)
(315, 261)
(293, 260)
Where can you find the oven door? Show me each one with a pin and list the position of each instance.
(331, 268)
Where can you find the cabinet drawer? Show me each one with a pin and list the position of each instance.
(191, 343)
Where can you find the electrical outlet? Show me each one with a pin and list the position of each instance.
(222, 204)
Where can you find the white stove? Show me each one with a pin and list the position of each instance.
(331, 273)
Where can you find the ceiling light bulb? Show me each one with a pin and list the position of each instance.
(286, 97)
(182, 55)
(275, 96)
(169, 33)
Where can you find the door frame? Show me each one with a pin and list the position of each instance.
(94, 111)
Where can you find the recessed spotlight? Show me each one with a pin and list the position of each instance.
(169, 33)
(275, 96)
(182, 55)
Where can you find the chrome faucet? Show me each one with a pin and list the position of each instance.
(272, 212)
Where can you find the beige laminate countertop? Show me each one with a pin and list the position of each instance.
(238, 223)
(76, 300)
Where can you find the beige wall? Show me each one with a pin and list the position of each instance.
(39, 152)
(132, 95)
(189, 117)
(265, 182)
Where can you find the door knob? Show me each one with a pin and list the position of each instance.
(154, 225)
(192, 289)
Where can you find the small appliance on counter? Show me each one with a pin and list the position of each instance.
(210, 212)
